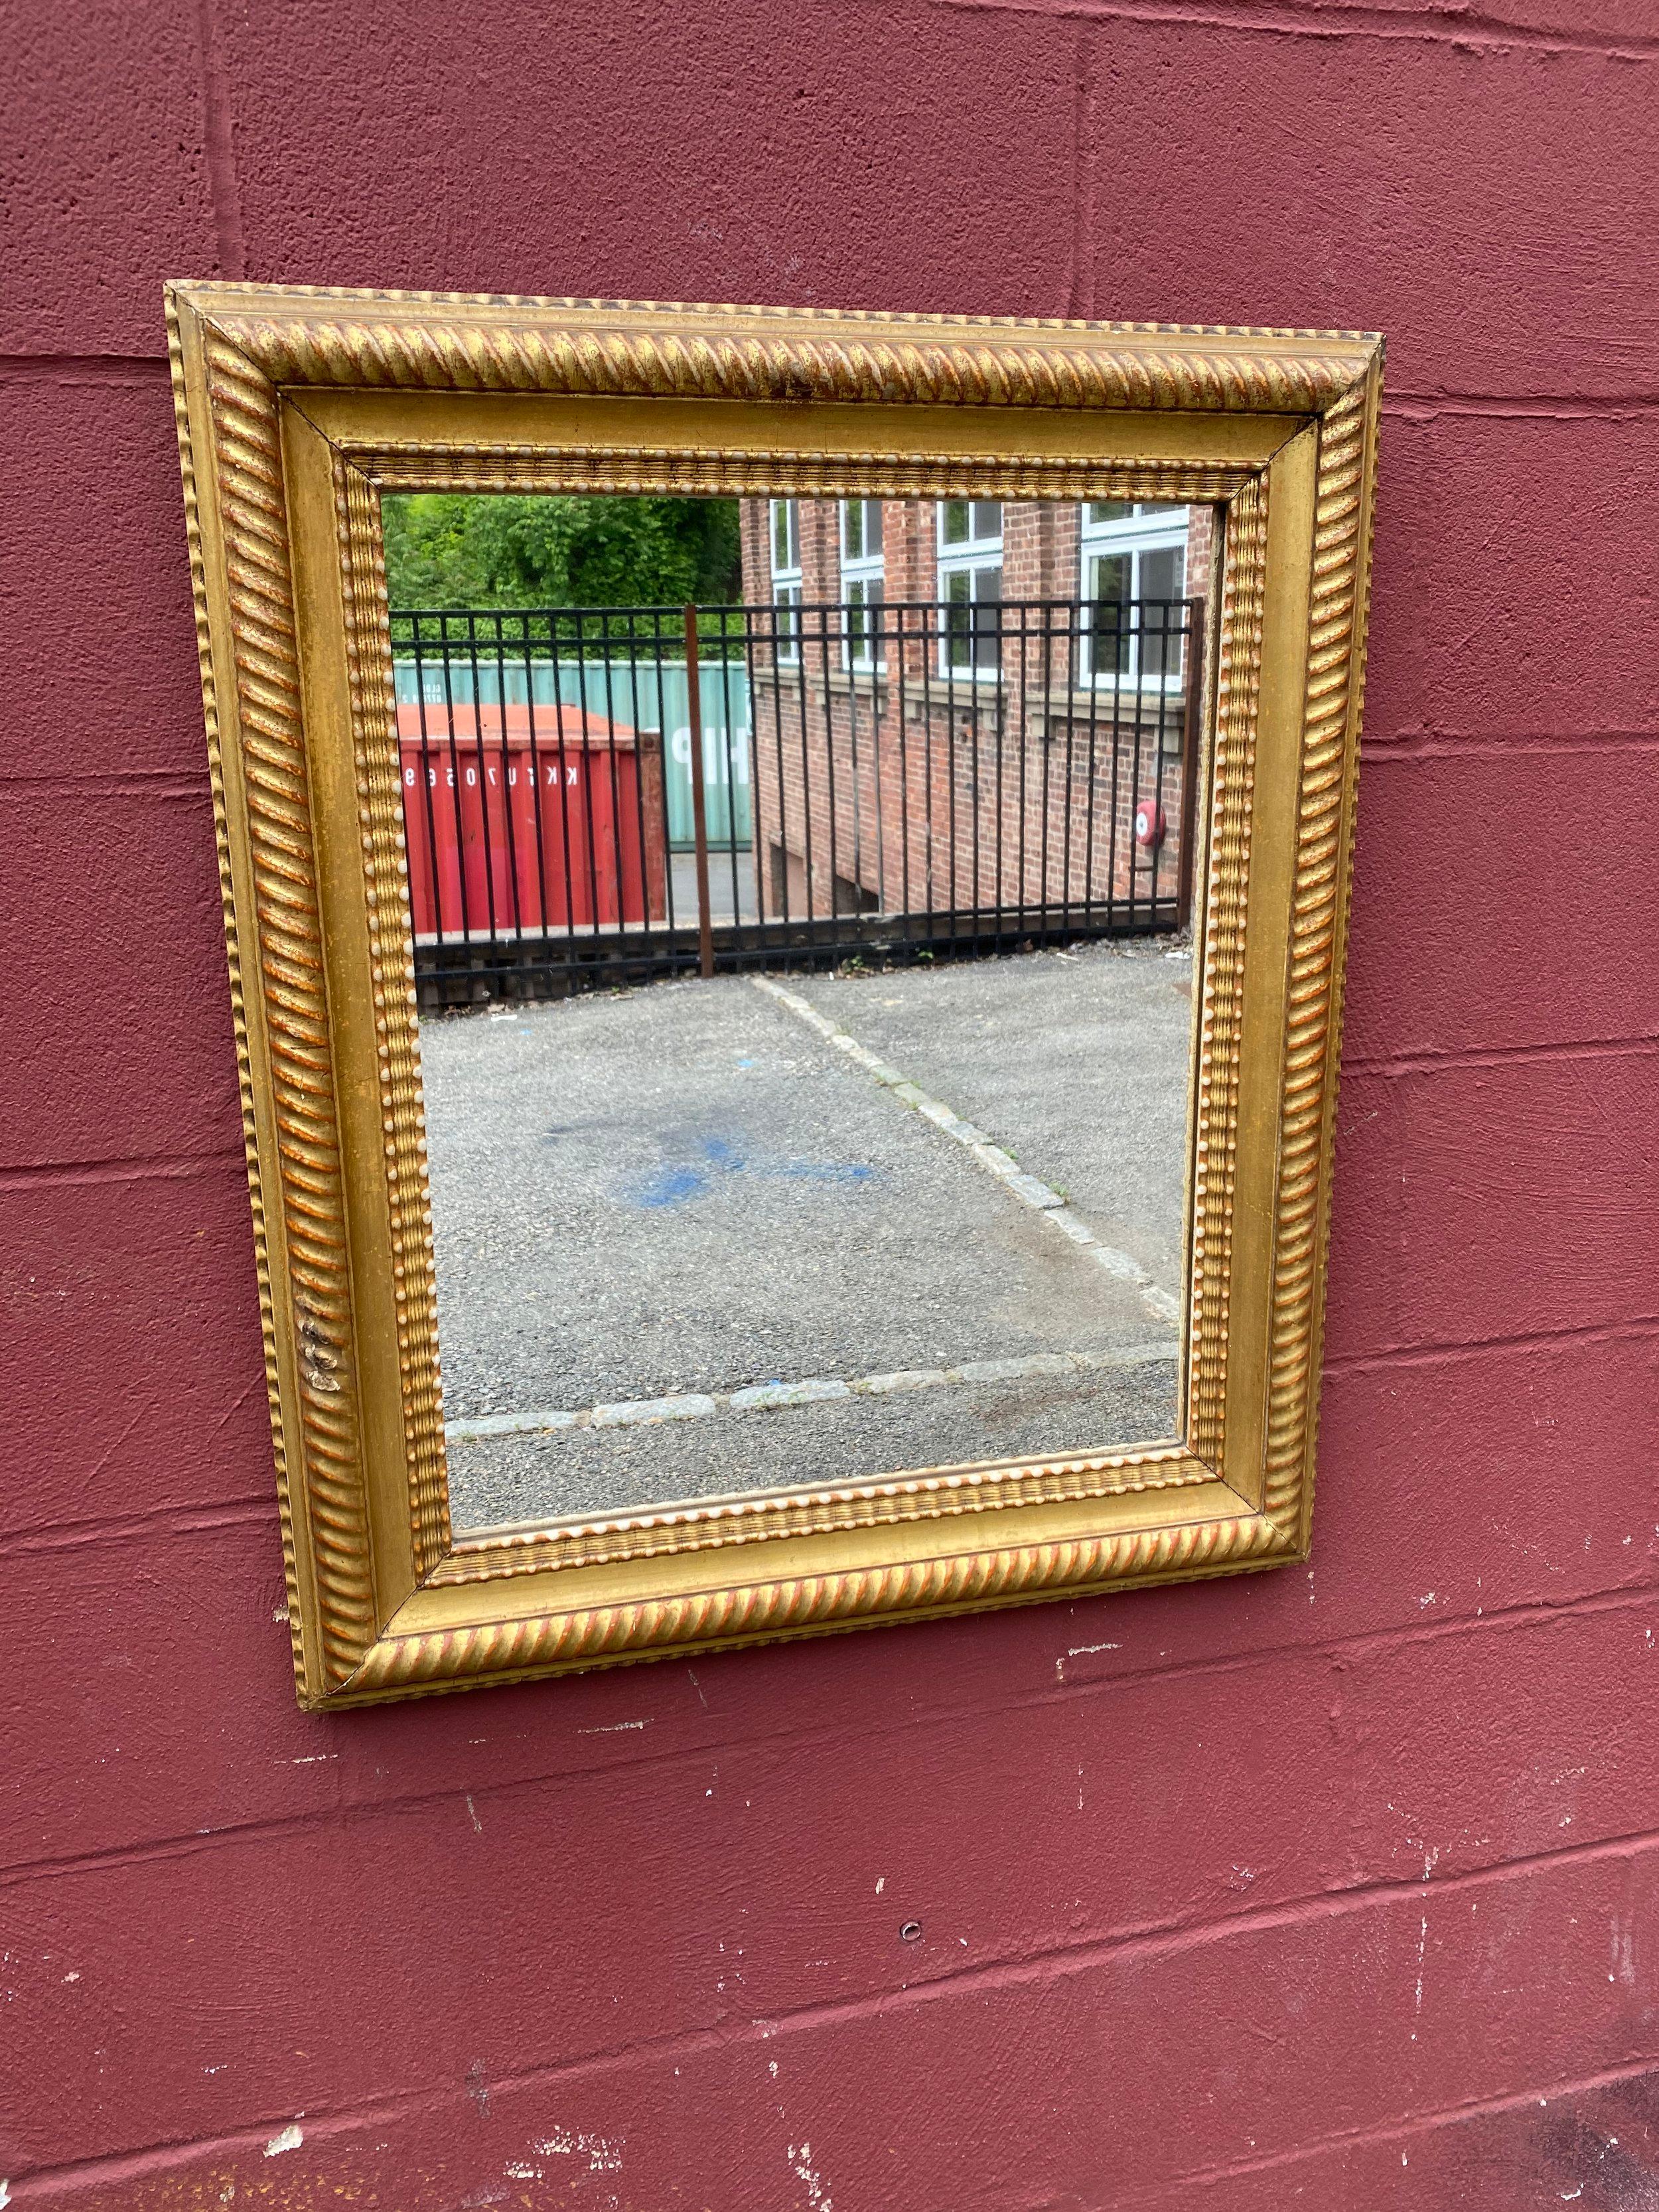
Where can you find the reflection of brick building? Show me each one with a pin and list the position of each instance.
(968, 701)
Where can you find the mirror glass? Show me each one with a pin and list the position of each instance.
(801, 895)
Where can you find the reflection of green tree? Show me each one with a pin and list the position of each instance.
(493, 549)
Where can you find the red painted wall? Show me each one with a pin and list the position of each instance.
(1332, 1888)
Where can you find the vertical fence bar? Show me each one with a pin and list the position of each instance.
(1069, 809)
(1160, 849)
(484, 787)
(1046, 816)
(507, 788)
(1138, 649)
(1022, 731)
(950, 749)
(849, 655)
(587, 852)
(641, 779)
(1114, 827)
(699, 798)
(747, 618)
(1191, 759)
(542, 927)
(902, 646)
(878, 738)
(428, 776)
(608, 644)
(780, 902)
(455, 803)
(830, 796)
(1170, 708)
(664, 635)
(730, 758)
(563, 788)
(808, 857)
(1081, 683)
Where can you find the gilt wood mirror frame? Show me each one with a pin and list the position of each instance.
(297, 408)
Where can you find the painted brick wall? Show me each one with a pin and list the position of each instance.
(932, 797)
(1337, 1888)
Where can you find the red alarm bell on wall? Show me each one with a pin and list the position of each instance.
(1149, 825)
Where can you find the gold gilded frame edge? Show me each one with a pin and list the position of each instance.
(282, 525)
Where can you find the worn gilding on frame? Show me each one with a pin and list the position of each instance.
(295, 407)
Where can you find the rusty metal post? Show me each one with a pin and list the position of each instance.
(699, 801)
(1192, 761)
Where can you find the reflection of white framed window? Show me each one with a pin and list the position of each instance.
(1133, 559)
(862, 583)
(971, 586)
(785, 577)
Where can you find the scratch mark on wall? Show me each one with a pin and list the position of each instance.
(1623, 1951)
(1431, 1860)
(800, 2165)
(1422, 1948)
(603, 2156)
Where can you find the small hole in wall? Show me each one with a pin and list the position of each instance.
(910, 1931)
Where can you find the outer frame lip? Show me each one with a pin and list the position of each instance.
(293, 404)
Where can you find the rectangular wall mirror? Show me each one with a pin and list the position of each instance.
(785, 877)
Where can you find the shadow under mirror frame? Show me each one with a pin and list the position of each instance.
(297, 409)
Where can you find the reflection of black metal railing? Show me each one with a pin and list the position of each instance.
(603, 794)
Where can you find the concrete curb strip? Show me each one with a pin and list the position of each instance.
(767, 1397)
(633, 1412)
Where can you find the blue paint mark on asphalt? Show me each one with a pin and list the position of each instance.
(679, 1183)
(673, 1186)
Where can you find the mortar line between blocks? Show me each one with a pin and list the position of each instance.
(1029, 1190)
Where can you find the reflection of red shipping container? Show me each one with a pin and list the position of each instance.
(573, 823)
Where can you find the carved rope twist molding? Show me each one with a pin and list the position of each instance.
(1330, 731)
(660, 1628)
(391, 984)
(323, 1462)
(1238, 683)
(954, 366)
(238, 1001)
(501, 469)
(235, 298)
(925, 1495)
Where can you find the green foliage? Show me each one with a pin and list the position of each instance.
(492, 550)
